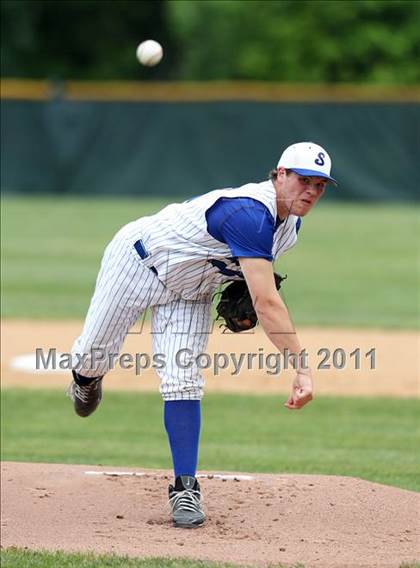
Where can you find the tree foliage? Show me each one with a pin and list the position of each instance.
(299, 40)
(281, 40)
(81, 39)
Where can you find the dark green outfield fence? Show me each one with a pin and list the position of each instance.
(184, 147)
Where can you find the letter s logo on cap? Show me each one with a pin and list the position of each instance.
(320, 159)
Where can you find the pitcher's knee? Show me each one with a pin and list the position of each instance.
(181, 392)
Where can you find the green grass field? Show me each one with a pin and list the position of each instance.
(354, 264)
(372, 439)
(16, 558)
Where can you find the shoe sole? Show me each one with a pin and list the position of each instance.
(193, 525)
(84, 413)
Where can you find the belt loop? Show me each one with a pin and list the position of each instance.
(143, 253)
(141, 250)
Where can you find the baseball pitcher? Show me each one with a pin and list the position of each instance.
(172, 262)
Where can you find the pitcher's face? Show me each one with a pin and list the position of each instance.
(298, 194)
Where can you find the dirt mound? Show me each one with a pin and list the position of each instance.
(321, 521)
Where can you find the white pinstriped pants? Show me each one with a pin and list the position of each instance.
(124, 289)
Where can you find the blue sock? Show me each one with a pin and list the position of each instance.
(182, 420)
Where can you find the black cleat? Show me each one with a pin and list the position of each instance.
(85, 397)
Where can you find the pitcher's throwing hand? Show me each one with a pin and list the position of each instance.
(302, 392)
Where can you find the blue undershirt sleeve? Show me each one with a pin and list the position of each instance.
(244, 224)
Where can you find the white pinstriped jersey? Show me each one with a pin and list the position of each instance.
(187, 258)
(174, 272)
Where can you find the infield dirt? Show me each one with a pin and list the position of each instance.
(396, 373)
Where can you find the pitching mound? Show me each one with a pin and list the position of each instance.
(321, 521)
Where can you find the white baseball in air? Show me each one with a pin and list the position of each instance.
(149, 52)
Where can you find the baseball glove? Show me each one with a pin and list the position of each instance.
(235, 305)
